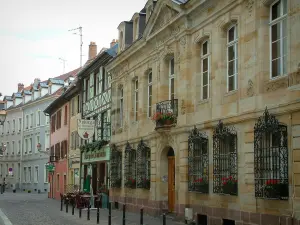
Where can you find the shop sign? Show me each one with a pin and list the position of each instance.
(50, 167)
(86, 128)
(97, 155)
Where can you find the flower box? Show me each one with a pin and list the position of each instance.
(229, 185)
(131, 183)
(275, 189)
(201, 185)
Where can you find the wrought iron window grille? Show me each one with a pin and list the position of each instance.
(166, 113)
(115, 167)
(198, 162)
(225, 168)
(143, 165)
(270, 158)
(130, 167)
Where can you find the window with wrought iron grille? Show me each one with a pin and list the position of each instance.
(225, 168)
(130, 167)
(143, 165)
(198, 162)
(115, 167)
(270, 158)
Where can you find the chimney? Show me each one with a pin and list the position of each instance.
(92, 50)
(36, 81)
(113, 42)
(20, 87)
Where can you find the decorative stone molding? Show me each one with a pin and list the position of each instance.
(250, 88)
(183, 107)
(267, 3)
(125, 127)
(276, 84)
(249, 6)
(201, 36)
(294, 78)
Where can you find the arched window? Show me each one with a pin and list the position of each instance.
(198, 162)
(225, 168)
(143, 165)
(270, 158)
(130, 167)
(115, 167)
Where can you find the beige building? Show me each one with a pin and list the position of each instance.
(205, 71)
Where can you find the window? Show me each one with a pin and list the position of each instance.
(205, 70)
(121, 106)
(198, 162)
(47, 119)
(87, 85)
(91, 87)
(31, 120)
(19, 147)
(143, 166)
(8, 126)
(30, 145)
(278, 38)
(53, 123)
(73, 106)
(36, 174)
(38, 118)
(37, 141)
(29, 175)
(58, 119)
(47, 141)
(20, 124)
(270, 158)
(130, 167)
(57, 182)
(27, 121)
(25, 175)
(116, 167)
(66, 115)
(78, 104)
(7, 148)
(232, 58)
(225, 160)
(95, 83)
(105, 127)
(149, 94)
(65, 184)
(14, 126)
(171, 80)
(46, 174)
(13, 148)
(57, 151)
(26, 146)
(136, 99)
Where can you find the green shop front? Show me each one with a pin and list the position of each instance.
(95, 168)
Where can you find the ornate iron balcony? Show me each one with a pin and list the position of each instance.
(166, 113)
(53, 158)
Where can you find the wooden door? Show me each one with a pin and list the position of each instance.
(171, 183)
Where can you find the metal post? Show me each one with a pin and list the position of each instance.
(164, 219)
(61, 204)
(124, 216)
(73, 208)
(88, 212)
(67, 206)
(80, 212)
(142, 216)
(98, 213)
(109, 213)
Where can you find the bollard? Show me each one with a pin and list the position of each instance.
(61, 204)
(73, 208)
(164, 219)
(80, 212)
(67, 206)
(109, 213)
(88, 212)
(124, 217)
(98, 214)
(142, 216)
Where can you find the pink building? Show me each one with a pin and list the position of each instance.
(59, 140)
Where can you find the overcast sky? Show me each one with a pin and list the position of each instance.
(34, 35)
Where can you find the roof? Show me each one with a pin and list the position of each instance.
(43, 84)
(17, 95)
(26, 92)
(56, 81)
(7, 98)
(65, 76)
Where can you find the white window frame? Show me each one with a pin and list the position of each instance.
(136, 99)
(38, 118)
(19, 147)
(278, 20)
(37, 140)
(31, 120)
(27, 122)
(121, 105)
(30, 145)
(235, 44)
(45, 174)
(14, 126)
(7, 148)
(36, 176)
(171, 77)
(149, 104)
(203, 57)
(13, 147)
(24, 174)
(29, 175)
(19, 125)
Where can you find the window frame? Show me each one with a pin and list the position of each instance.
(171, 77)
(149, 86)
(121, 106)
(136, 99)
(36, 176)
(228, 45)
(203, 57)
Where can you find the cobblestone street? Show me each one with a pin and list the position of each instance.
(37, 209)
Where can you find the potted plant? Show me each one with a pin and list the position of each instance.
(164, 118)
(229, 185)
(146, 183)
(131, 183)
(201, 185)
(275, 189)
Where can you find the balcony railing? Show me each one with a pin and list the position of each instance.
(53, 158)
(166, 113)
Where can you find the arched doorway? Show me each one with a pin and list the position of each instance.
(171, 179)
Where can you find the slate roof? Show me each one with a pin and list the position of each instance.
(26, 92)
(43, 84)
(17, 95)
(56, 81)
(7, 98)
(65, 76)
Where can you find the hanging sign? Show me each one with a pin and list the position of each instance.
(86, 128)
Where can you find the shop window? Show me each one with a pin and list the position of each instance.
(130, 167)
(270, 158)
(115, 167)
(143, 165)
(225, 168)
(198, 162)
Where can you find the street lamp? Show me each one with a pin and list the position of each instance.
(2, 117)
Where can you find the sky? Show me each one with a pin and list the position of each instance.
(34, 35)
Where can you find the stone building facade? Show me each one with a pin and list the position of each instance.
(218, 78)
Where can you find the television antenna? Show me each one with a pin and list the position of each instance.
(79, 29)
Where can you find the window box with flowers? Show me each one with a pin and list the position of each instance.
(276, 189)
(164, 119)
(146, 183)
(229, 185)
(131, 183)
(201, 185)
